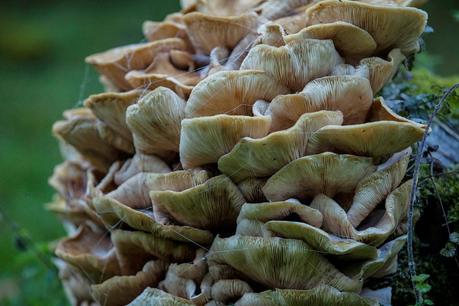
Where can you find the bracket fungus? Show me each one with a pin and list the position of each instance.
(240, 157)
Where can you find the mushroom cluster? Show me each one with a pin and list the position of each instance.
(241, 156)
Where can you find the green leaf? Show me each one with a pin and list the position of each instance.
(420, 278)
(454, 237)
(449, 250)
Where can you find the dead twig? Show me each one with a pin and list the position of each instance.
(417, 165)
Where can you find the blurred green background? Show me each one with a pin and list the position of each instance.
(42, 47)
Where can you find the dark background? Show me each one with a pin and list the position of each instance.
(42, 73)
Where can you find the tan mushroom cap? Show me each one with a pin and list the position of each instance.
(115, 215)
(226, 8)
(413, 3)
(162, 72)
(111, 137)
(80, 131)
(252, 189)
(378, 139)
(295, 64)
(376, 230)
(227, 290)
(207, 32)
(232, 93)
(321, 241)
(350, 40)
(352, 95)
(319, 296)
(92, 253)
(152, 296)
(155, 122)
(274, 9)
(214, 204)
(381, 266)
(154, 31)
(263, 157)
(110, 108)
(327, 173)
(253, 216)
(134, 249)
(77, 287)
(182, 279)
(121, 290)
(379, 111)
(382, 71)
(140, 163)
(373, 189)
(203, 140)
(391, 27)
(279, 263)
(69, 179)
(135, 191)
(114, 64)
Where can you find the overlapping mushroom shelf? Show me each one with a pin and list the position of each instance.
(241, 156)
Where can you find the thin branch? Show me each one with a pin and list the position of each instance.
(417, 165)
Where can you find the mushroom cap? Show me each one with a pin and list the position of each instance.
(163, 72)
(279, 263)
(391, 27)
(352, 95)
(153, 296)
(226, 8)
(227, 290)
(231, 93)
(134, 249)
(140, 163)
(350, 40)
(214, 204)
(319, 296)
(296, 63)
(375, 188)
(263, 157)
(377, 229)
(327, 173)
(115, 215)
(114, 64)
(155, 122)
(110, 108)
(154, 31)
(81, 132)
(252, 189)
(135, 191)
(90, 252)
(121, 290)
(378, 139)
(203, 140)
(207, 32)
(253, 216)
(321, 241)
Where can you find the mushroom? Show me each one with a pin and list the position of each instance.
(231, 93)
(114, 64)
(140, 163)
(203, 140)
(134, 192)
(207, 32)
(326, 173)
(352, 95)
(296, 63)
(263, 157)
(391, 27)
(279, 263)
(322, 295)
(213, 205)
(92, 253)
(162, 72)
(121, 290)
(152, 296)
(155, 122)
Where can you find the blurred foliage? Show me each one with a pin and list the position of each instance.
(42, 47)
